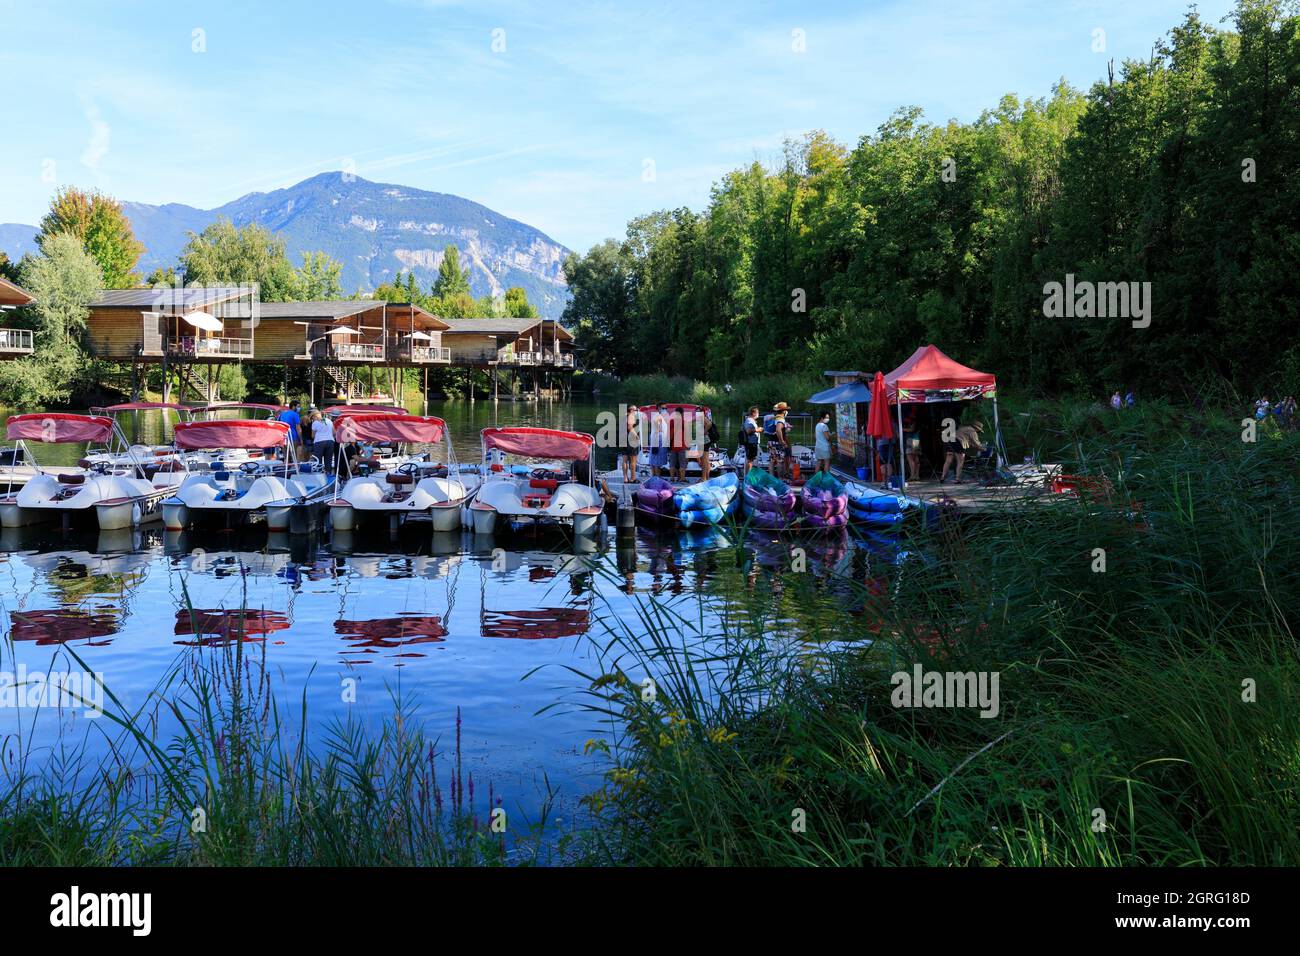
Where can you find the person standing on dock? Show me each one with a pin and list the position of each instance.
(824, 440)
(711, 439)
(749, 438)
(778, 448)
(322, 441)
(676, 445)
(631, 445)
(291, 418)
(911, 447)
(658, 441)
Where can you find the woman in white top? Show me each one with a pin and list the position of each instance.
(822, 451)
(322, 441)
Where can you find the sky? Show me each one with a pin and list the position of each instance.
(571, 117)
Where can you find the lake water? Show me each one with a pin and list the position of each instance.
(487, 628)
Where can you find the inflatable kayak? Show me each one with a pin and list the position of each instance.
(769, 502)
(707, 502)
(654, 499)
(824, 502)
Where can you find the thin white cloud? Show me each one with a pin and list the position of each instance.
(100, 133)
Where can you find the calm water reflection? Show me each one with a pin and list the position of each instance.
(448, 622)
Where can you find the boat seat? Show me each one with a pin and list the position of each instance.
(398, 478)
(372, 463)
(221, 475)
(84, 463)
(72, 479)
(549, 484)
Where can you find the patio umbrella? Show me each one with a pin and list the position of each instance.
(878, 424)
(420, 335)
(342, 330)
(201, 320)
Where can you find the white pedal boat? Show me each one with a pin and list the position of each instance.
(542, 497)
(269, 486)
(414, 486)
(118, 491)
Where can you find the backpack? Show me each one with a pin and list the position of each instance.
(769, 424)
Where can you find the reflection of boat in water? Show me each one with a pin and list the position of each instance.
(391, 633)
(544, 623)
(62, 625)
(214, 628)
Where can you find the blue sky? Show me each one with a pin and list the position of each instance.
(555, 129)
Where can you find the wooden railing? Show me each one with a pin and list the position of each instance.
(420, 353)
(357, 351)
(510, 356)
(201, 347)
(16, 340)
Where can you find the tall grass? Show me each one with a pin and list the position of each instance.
(1147, 713)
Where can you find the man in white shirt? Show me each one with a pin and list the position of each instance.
(322, 441)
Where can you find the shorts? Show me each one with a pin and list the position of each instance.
(954, 448)
(628, 452)
(751, 450)
(912, 443)
(885, 449)
(658, 457)
(677, 460)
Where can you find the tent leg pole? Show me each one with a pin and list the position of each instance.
(902, 452)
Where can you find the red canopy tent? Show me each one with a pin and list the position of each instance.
(237, 433)
(59, 427)
(929, 375)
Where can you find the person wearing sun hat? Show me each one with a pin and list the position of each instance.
(779, 446)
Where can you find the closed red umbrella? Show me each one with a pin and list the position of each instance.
(878, 423)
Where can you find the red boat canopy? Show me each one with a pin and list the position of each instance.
(141, 407)
(538, 442)
(411, 429)
(59, 428)
(239, 433)
(929, 370)
(234, 406)
(339, 411)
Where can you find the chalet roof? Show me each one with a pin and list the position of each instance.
(11, 294)
(325, 311)
(503, 326)
(149, 297)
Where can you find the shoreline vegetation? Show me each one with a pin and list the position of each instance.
(1145, 717)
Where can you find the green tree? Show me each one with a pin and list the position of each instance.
(63, 280)
(452, 280)
(98, 222)
(318, 278)
(224, 255)
(515, 303)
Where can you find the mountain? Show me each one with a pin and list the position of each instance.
(15, 239)
(376, 230)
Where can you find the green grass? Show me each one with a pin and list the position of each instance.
(1121, 691)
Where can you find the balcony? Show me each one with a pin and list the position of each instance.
(511, 356)
(356, 351)
(418, 353)
(203, 347)
(16, 341)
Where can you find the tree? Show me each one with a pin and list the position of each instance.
(452, 280)
(98, 222)
(224, 255)
(63, 280)
(318, 278)
(515, 303)
(603, 309)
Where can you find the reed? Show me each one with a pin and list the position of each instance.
(1145, 715)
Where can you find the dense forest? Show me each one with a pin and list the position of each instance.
(1179, 171)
